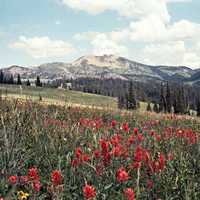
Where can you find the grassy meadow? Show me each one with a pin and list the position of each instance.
(58, 96)
(64, 153)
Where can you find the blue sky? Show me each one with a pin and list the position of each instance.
(156, 32)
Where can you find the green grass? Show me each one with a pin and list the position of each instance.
(59, 96)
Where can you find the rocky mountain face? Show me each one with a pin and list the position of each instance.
(105, 67)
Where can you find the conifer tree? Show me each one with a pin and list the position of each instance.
(155, 108)
(38, 82)
(1, 77)
(28, 83)
(162, 102)
(19, 82)
(131, 103)
(168, 99)
(198, 105)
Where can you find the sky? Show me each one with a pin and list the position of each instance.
(156, 32)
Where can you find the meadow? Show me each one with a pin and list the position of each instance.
(63, 152)
(57, 96)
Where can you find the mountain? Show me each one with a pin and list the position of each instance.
(105, 67)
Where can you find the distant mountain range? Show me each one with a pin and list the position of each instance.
(105, 67)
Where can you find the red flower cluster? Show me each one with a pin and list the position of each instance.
(122, 175)
(56, 177)
(13, 179)
(89, 191)
(80, 157)
(92, 124)
(32, 179)
(129, 194)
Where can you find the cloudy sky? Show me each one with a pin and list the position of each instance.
(156, 32)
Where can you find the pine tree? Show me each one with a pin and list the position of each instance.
(38, 82)
(198, 109)
(155, 108)
(131, 103)
(168, 99)
(179, 101)
(1, 77)
(162, 102)
(28, 83)
(149, 107)
(198, 106)
(19, 82)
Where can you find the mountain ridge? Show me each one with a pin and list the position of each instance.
(104, 67)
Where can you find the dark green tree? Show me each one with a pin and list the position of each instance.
(149, 107)
(1, 77)
(198, 106)
(19, 82)
(28, 83)
(131, 103)
(162, 102)
(168, 99)
(155, 108)
(38, 82)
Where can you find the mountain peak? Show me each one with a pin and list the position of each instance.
(110, 61)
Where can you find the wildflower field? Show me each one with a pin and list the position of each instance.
(58, 153)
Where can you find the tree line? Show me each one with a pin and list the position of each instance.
(172, 99)
(9, 79)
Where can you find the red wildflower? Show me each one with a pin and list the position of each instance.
(129, 194)
(161, 161)
(85, 157)
(13, 179)
(117, 150)
(104, 145)
(56, 177)
(97, 154)
(113, 123)
(137, 165)
(33, 173)
(89, 191)
(74, 163)
(78, 152)
(37, 186)
(125, 127)
(115, 140)
(158, 137)
(140, 137)
(131, 139)
(138, 155)
(122, 175)
(135, 130)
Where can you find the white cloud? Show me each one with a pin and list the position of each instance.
(153, 29)
(58, 22)
(42, 47)
(166, 54)
(171, 53)
(101, 45)
(126, 8)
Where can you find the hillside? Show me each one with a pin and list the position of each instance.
(105, 67)
(58, 96)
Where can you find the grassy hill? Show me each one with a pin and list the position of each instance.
(58, 96)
